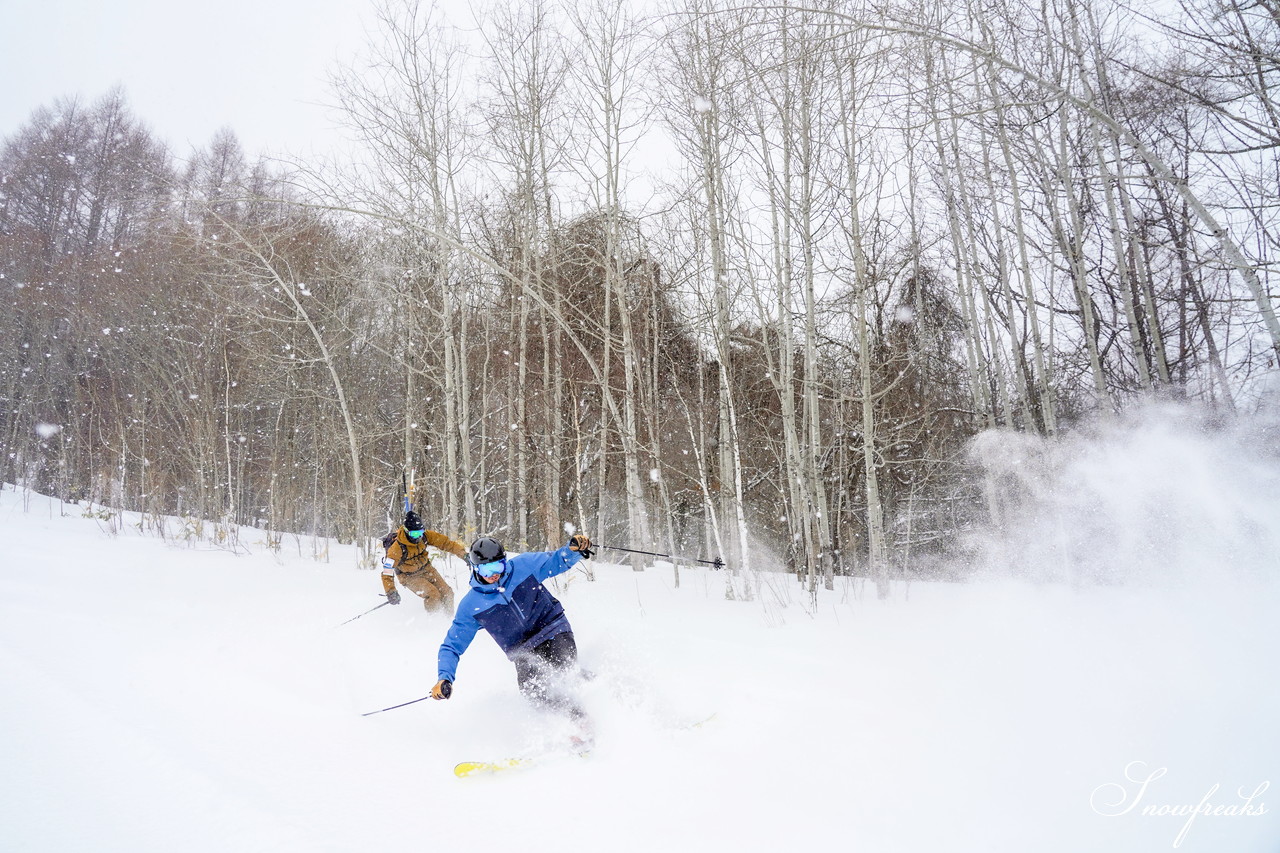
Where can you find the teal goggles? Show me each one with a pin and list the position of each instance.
(486, 570)
(415, 534)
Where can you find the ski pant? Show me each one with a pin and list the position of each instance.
(545, 675)
(426, 583)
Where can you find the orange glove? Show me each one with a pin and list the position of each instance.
(442, 690)
(580, 543)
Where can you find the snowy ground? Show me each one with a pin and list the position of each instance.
(156, 696)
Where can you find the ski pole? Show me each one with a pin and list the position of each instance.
(406, 485)
(366, 613)
(447, 690)
(393, 707)
(717, 562)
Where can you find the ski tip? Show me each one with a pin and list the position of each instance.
(481, 768)
(487, 768)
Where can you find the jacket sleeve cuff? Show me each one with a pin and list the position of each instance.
(570, 557)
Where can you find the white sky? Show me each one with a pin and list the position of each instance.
(258, 67)
(188, 69)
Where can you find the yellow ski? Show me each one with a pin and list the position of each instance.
(480, 768)
(476, 768)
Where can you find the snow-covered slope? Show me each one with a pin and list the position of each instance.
(158, 696)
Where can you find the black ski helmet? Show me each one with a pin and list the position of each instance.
(486, 549)
(412, 521)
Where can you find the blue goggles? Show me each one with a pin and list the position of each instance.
(415, 534)
(485, 570)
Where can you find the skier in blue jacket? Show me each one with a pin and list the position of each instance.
(508, 600)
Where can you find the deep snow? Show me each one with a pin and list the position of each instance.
(169, 696)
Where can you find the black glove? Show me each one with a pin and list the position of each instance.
(393, 596)
(580, 543)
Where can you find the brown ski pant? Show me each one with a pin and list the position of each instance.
(426, 583)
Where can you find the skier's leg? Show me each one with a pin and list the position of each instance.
(540, 670)
(430, 596)
(443, 592)
(414, 582)
(544, 675)
(531, 677)
(437, 596)
(560, 652)
(422, 584)
(559, 656)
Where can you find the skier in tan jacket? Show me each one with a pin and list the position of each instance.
(408, 560)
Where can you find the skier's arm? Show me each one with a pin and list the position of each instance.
(552, 563)
(389, 576)
(461, 633)
(444, 543)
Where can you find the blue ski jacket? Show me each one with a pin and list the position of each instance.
(516, 609)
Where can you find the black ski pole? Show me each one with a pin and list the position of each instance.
(447, 690)
(366, 613)
(717, 562)
(393, 707)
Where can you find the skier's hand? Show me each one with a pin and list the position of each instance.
(442, 690)
(393, 595)
(580, 543)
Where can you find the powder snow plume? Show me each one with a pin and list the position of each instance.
(1165, 494)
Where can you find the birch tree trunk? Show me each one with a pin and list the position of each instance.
(877, 554)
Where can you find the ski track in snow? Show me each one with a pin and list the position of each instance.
(159, 696)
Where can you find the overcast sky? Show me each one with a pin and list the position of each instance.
(188, 69)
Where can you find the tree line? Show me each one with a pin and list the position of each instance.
(875, 232)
